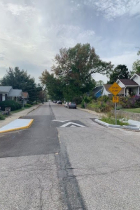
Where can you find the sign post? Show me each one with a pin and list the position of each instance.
(115, 89)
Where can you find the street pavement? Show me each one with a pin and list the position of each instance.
(54, 167)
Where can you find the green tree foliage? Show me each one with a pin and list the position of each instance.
(120, 72)
(53, 85)
(74, 67)
(99, 83)
(136, 66)
(19, 79)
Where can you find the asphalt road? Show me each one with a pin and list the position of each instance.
(53, 167)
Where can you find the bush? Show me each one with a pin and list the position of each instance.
(82, 104)
(30, 102)
(2, 117)
(9, 103)
(77, 100)
(130, 102)
(27, 105)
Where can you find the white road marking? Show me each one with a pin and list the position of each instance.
(60, 120)
(72, 123)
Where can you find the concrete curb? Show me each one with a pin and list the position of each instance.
(117, 126)
(20, 128)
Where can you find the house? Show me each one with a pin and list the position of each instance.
(97, 91)
(4, 91)
(129, 86)
(7, 92)
(106, 91)
(25, 97)
(15, 94)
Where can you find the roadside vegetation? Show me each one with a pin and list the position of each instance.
(111, 120)
(2, 117)
(10, 103)
(105, 104)
(134, 110)
(26, 106)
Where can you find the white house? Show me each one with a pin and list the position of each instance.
(130, 86)
(107, 92)
(7, 92)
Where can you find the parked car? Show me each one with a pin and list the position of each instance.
(54, 101)
(71, 105)
(59, 102)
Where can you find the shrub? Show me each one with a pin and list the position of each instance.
(30, 102)
(130, 102)
(77, 100)
(2, 117)
(9, 103)
(27, 105)
(82, 104)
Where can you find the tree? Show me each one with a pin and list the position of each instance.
(99, 83)
(74, 67)
(136, 66)
(19, 79)
(53, 85)
(120, 72)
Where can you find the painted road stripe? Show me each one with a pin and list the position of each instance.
(72, 123)
(60, 121)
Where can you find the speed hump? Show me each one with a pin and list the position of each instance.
(115, 99)
(115, 89)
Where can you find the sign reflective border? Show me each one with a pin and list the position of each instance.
(115, 89)
(115, 99)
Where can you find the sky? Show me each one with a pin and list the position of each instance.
(33, 31)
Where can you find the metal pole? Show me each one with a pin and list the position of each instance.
(115, 115)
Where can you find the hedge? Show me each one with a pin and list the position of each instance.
(9, 103)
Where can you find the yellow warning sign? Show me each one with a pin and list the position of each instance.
(115, 89)
(115, 99)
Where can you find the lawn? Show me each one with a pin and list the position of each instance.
(134, 110)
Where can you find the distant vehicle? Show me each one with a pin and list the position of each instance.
(59, 102)
(71, 105)
(66, 104)
(54, 101)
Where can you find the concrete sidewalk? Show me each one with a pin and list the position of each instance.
(10, 123)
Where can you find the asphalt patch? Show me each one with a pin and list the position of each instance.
(41, 138)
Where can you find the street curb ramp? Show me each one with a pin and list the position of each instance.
(13, 126)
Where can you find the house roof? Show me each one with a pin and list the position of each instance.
(128, 82)
(25, 95)
(134, 75)
(96, 89)
(5, 89)
(107, 86)
(15, 93)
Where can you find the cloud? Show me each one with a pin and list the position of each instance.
(112, 9)
(126, 58)
(32, 32)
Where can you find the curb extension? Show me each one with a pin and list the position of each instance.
(117, 126)
(20, 128)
